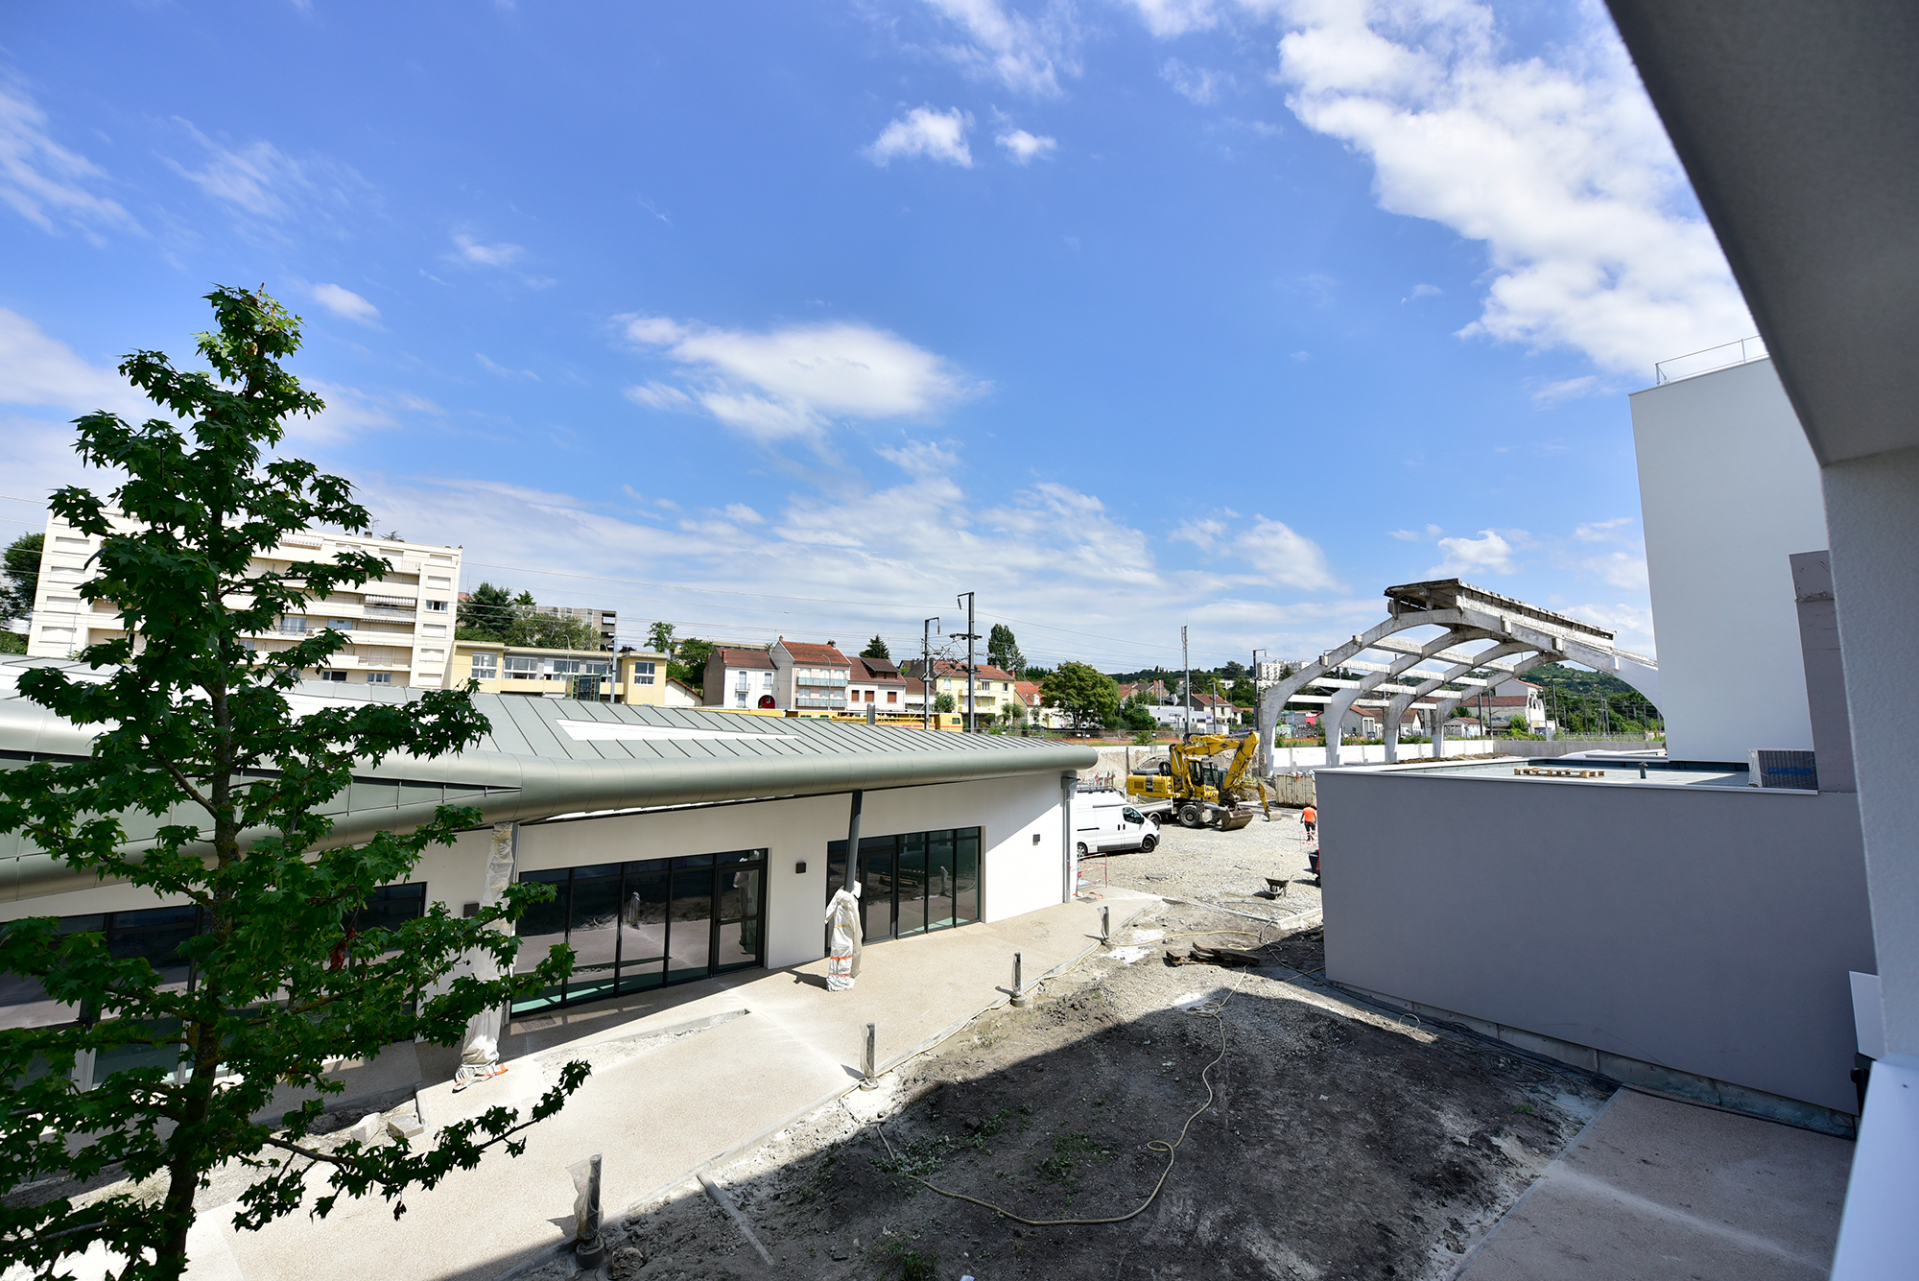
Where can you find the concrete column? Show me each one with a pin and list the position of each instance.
(1872, 513)
(1069, 857)
(1334, 718)
(1825, 670)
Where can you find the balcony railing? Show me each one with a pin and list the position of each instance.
(388, 611)
(1724, 356)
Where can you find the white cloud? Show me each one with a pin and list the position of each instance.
(1417, 536)
(36, 369)
(503, 371)
(1025, 146)
(1168, 18)
(1207, 535)
(937, 135)
(469, 250)
(920, 458)
(791, 382)
(1565, 389)
(346, 304)
(1024, 54)
(1196, 83)
(1424, 291)
(1489, 552)
(42, 180)
(264, 185)
(1631, 625)
(659, 396)
(1285, 557)
(1558, 164)
(1624, 570)
(1604, 531)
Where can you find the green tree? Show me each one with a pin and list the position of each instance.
(485, 614)
(659, 639)
(944, 703)
(1088, 695)
(549, 631)
(876, 648)
(193, 735)
(1137, 717)
(1002, 651)
(689, 664)
(20, 575)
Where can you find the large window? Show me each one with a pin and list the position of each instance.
(486, 667)
(157, 934)
(915, 882)
(643, 673)
(646, 923)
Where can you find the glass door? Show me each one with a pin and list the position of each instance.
(645, 923)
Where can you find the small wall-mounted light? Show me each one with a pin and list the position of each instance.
(799, 868)
(1036, 838)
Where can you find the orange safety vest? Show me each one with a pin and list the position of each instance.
(1309, 815)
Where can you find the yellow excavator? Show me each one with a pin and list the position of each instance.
(1199, 792)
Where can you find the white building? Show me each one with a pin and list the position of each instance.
(810, 677)
(400, 627)
(740, 678)
(720, 858)
(1730, 491)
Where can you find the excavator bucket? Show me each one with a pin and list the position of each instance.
(1232, 820)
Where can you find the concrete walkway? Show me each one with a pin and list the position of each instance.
(1659, 1190)
(684, 1078)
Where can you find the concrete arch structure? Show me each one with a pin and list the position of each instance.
(1522, 637)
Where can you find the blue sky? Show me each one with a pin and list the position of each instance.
(801, 317)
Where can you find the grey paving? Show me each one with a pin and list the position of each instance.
(1658, 1190)
(771, 1046)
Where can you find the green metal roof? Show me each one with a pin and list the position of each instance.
(547, 757)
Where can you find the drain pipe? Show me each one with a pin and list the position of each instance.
(855, 869)
(1068, 784)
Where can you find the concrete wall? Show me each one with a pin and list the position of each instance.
(1702, 929)
(1874, 506)
(1729, 490)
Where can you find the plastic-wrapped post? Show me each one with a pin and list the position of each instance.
(869, 1060)
(1019, 988)
(587, 1246)
(843, 939)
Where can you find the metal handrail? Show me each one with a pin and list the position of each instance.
(1750, 349)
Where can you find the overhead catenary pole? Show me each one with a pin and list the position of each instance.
(971, 634)
(926, 671)
(1186, 663)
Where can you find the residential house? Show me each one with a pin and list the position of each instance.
(400, 626)
(875, 683)
(737, 677)
(993, 689)
(539, 673)
(641, 677)
(1370, 722)
(1151, 692)
(680, 694)
(809, 677)
(1037, 713)
(1511, 700)
(1210, 714)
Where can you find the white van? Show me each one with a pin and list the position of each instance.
(1105, 822)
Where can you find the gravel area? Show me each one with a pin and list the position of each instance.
(1226, 869)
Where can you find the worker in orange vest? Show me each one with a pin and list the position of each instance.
(1309, 818)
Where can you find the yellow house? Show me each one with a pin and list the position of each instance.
(632, 676)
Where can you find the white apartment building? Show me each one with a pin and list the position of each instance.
(401, 626)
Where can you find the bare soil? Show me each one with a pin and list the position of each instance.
(1339, 1141)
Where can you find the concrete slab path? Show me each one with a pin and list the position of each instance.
(736, 1059)
(1659, 1190)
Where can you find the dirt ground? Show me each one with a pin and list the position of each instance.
(1339, 1142)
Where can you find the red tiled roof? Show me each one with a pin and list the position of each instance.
(982, 671)
(876, 671)
(743, 657)
(816, 655)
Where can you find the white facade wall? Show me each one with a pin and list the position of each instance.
(1018, 874)
(1729, 490)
